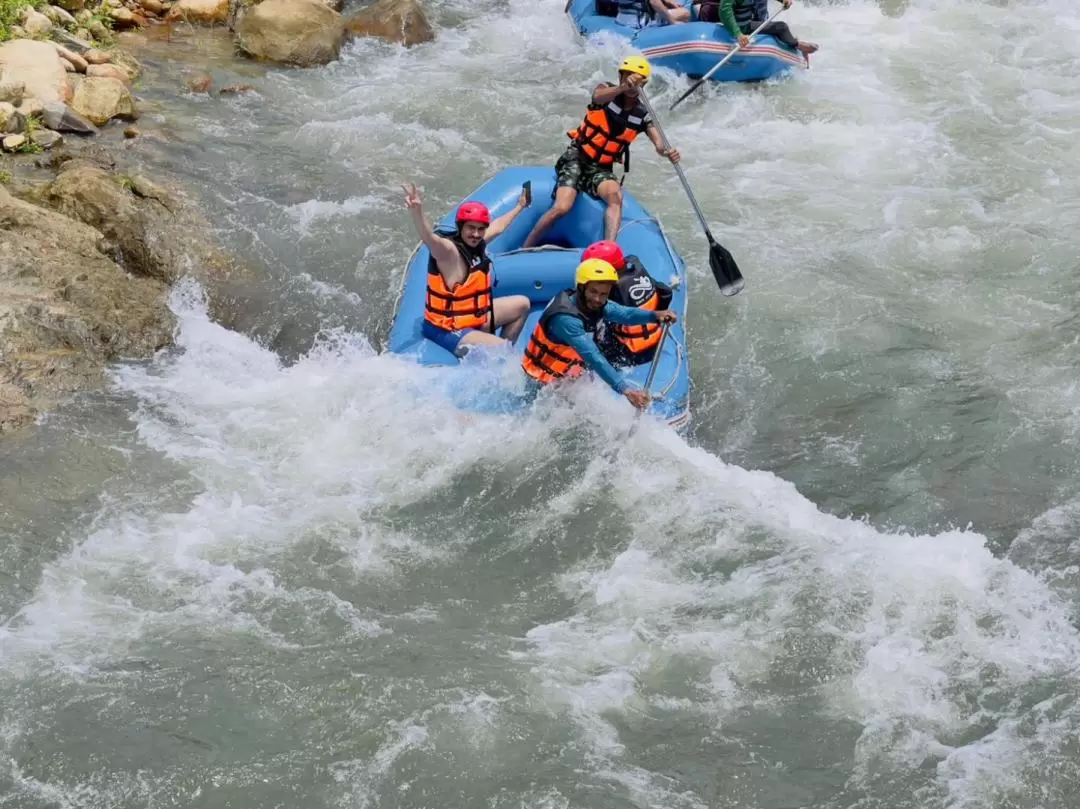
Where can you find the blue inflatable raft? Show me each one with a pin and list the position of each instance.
(692, 48)
(542, 272)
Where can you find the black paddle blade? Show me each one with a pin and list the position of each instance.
(687, 94)
(725, 270)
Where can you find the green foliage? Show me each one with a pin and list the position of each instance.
(11, 12)
(103, 18)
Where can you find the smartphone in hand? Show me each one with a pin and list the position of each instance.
(527, 188)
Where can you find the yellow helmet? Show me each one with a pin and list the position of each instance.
(594, 269)
(636, 64)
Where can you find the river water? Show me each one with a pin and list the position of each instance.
(272, 568)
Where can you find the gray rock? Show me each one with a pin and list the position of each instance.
(35, 22)
(15, 123)
(67, 310)
(46, 138)
(13, 142)
(98, 30)
(12, 91)
(60, 16)
(31, 108)
(80, 46)
(8, 117)
(62, 118)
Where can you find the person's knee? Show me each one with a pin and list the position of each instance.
(518, 307)
(562, 204)
(612, 195)
(481, 338)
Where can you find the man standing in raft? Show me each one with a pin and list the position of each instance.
(612, 121)
(460, 308)
(562, 346)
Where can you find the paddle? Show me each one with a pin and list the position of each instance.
(724, 269)
(723, 61)
(650, 377)
(610, 457)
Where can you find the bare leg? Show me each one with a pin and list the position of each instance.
(564, 201)
(782, 32)
(510, 313)
(481, 338)
(611, 193)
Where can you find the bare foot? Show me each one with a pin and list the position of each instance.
(807, 47)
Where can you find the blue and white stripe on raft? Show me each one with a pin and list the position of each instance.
(541, 272)
(693, 48)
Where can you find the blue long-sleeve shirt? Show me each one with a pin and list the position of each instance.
(571, 331)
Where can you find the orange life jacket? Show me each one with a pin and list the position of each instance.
(546, 360)
(607, 132)
(468, 305)
(636, 288)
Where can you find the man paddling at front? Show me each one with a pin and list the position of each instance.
(562, 346)
(460, 309)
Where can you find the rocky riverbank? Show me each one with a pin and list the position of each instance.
(89, 246)
(85, 262)
(59, 71)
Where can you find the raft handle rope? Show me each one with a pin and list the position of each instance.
(679, 357)
(542, 248)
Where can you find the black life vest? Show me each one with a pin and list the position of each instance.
(746, 11)
(635, 288)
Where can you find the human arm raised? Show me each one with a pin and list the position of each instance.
(500, 224)
(442, 249)
(607, 92)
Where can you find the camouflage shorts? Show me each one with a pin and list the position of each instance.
(573, 172)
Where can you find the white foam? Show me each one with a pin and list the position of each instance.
(869, 192)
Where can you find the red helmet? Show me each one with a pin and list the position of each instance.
(473, 212)
(606, 251)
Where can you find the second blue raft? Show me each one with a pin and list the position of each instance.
(542, 272)
(692, 49)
